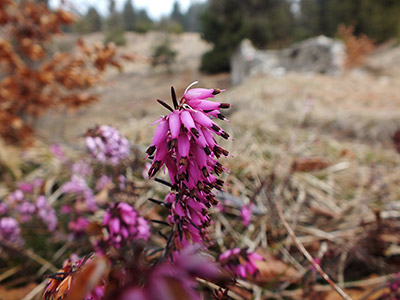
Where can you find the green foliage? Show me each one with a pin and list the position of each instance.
(115, 36)
(114, 32)
(176, 16)
(379, 20)
(215, 60)
(169, 26)
(163, 54)
(143, 22)
(91, 22)
(128, 16)
(192, 17)
(227, 22)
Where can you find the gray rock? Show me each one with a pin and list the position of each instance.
(316, 55)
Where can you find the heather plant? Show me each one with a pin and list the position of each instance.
(184, 143)
(115, 251)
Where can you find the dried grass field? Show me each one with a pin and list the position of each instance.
(314, 153)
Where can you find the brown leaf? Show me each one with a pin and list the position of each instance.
(88, 277)
(273, 269)
(309, 164)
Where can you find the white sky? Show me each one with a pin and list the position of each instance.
(155, 8)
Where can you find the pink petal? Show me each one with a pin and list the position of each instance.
(199, 93)
(204, 104)
(161, 132)
(202, 119)
(187, 120)
(183, 145)
(174, 124)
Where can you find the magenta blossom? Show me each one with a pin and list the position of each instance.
(84, 195)
(103, 182)
(175, 279)
(78, 226)
(184, 142)
(10, 230)
(240, 263)
(107, 145)
(124, 224)
(58, 152)
(3, 208)
(246, 213)
(46, 213)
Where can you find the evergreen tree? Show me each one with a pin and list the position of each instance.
(114, 32)
(177, 16)
(128, 16)
(94, 20)
(192, 17)
(91, 22)
(143, 22)
(227, 22)
(379, 20)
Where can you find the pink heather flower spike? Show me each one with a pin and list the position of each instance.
(184, 142)
(241, 263)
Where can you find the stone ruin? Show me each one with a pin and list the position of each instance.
(316, 55)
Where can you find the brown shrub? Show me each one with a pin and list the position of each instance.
(32, 78)
(357, 47)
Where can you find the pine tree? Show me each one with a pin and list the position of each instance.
(227, 22)
(114, 32)
(128, 16)
(379, 20)
(177, 16)
(143, 22)
(192, 17)
(94, 20)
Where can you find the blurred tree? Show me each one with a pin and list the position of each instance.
(45, 2)
(164, 54)
(227, 22)
(128, 16)
(91, 22)
(114, 30)
(143, 22)
(94, 20)
(177, 16)
(379, 20)
(33, 79)
(192, 17)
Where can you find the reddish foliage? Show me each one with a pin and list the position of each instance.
(357, 48)
(34, 80)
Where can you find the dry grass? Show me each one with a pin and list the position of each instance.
(341, 211)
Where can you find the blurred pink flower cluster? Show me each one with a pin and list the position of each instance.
(241, 263)
(25, 203)
(107, 145)
(175, 279)
(123, 224)
(10, 230)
